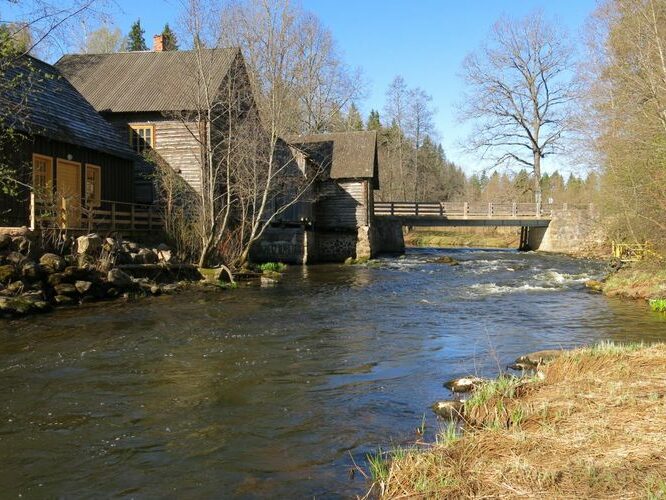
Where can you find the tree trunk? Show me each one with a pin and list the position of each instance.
(537, 177)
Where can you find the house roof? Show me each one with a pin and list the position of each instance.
(54, 109)
(145, 81)
(351, 155)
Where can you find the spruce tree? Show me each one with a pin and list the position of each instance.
(354, 120)
(169, 40)
(373, 121)
(135, 40)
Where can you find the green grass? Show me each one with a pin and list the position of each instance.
(379, 465)
(276, 267)
(449, 434)
(658, 305)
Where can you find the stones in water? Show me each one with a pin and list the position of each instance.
(535, 359)
(594, 285)
(448, 409)
(463, 384)
(445, 259)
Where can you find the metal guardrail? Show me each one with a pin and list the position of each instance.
(473, 210)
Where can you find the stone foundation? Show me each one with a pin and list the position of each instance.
(569, 231)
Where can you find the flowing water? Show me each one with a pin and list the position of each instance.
(277, 391)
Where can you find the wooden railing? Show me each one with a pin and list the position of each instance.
(471, 210)
(111, 215)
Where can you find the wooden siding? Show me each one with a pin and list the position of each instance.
(173, 142)
(342, 204)
(117, 175)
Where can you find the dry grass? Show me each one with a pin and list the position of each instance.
(646, 280)
(595, 427)
(464, 237)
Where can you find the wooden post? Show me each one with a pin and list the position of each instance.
(132, 216)
(392, 208)
(416, 208)
(441, 209)
(33, 221)
(465, 209)
(490, 210)
(514, 210)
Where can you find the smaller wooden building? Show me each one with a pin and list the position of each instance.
(68, 159)
(335, 220)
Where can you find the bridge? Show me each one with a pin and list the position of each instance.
(431, 214)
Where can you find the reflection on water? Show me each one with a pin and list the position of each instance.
(271, 391)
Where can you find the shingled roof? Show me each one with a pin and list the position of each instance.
(351, 155)
(145, 81)
(54, 109)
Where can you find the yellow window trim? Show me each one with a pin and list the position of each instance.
(142, 126)
(97, 188)
(48, 175)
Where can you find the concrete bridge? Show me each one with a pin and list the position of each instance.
(533, 219)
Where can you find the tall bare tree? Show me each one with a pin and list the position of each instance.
(519, 93)
(419, 126)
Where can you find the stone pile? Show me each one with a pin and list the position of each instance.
(32, 280)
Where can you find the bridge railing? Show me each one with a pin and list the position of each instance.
(475, 210)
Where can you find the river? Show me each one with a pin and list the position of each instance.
(272, 391)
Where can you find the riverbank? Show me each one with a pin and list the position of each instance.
(464, 237)
(642, 280)
(591, 427)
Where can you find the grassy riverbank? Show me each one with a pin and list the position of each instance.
(643, 280)
(464, 237)
(592, 428)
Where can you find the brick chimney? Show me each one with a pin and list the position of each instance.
(158, 43)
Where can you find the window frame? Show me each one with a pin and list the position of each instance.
(48, 174)
(97, 185)
(134, 129)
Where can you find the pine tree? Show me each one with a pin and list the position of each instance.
(135, 40)
(373, 121)
(169, 40)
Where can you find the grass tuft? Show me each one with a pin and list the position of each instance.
(658, 305)
(276, 267)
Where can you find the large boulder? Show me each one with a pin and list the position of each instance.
(31, 271)
(83, 287)
(16, 258)
(65, 289)
(8, 273)
(52, 263)
(21, 244)
(90, 244)
(147, 256)
(119, 278)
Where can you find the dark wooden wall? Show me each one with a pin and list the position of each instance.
(117, 175)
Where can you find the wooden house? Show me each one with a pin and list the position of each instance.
(66, 152)
(155, 99)
(335, 220)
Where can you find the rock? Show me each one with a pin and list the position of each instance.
(218, 274)
(5, 241)
(445, 259)
(15, 287)
(268, 281)
(83, 287)
(136, 258)
(52, 263)
(73, 273)
(16, 258)
(463, 384)
(118, 278)
(521, 367)
(8, 273)
(31, 271)
(63, 300)
(594, 285)
(65, 289)
(41, 306)
(155, 289)
(148, 256)
(21, 244)
(112, 293)
(123, 258)
(164, 255)
(55, 279)
(538, 358)
(90, 244)
(132, 247)
(449, 409)
(169, 288)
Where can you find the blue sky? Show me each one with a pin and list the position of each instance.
(425, 41)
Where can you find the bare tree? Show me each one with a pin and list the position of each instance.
(519, 91)
(397, 97)
(419, 126)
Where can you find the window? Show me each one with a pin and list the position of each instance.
(93, 185)
(42, 176)
(142, 137)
